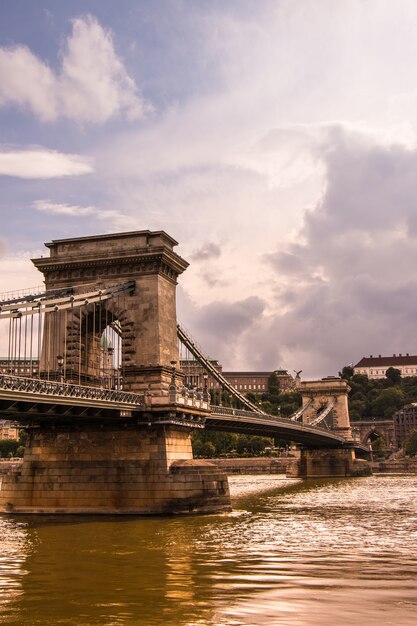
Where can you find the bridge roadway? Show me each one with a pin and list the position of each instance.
(249, 423)
(28, 401)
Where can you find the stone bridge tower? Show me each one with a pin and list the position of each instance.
(327, 398)
(146, 317)
(332, 393)
(116, 461)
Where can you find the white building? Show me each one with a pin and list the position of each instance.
(376, 366)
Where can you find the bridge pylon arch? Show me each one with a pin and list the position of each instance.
(327, 397)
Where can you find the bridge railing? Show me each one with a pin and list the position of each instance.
(225, 410)
(68, 390)
(189, 400)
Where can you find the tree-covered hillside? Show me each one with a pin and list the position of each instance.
(379, 398)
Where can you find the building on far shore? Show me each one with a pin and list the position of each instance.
(257, 382)
(405, 421)
(8, 430)
(245, 382)
(376, 366)
(19, 366)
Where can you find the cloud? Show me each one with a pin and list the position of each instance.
(3, 247)
(347, 287)
(208, 250)
(17, 275)
(341, 286)
(38, 162)
(73, 210)
(220, 326)
(92, 84)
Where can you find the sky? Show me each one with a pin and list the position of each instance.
(275, 140)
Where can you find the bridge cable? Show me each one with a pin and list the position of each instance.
(323, 414)
(39, 340)
(31, 348)
(65, 343)
(26, 338)
(79, 345)
(208, 366)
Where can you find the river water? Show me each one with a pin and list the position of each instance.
(292, 553)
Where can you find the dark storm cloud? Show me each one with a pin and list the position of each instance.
(350, 288)
(230, 320)
(221, 327)
(207, 251)
(347, 286)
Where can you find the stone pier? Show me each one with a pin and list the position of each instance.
(328, 463)
(328, 397)
(110, 470)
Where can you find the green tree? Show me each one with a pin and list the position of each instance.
(347, 372)
(394, 375)
(379, 447)
(410, 446)
(387, 402)
(273, 385)
(8, 448)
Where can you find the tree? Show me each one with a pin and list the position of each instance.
(8, 448)
(387, 402)
(379, 447)
(347, 372)
(394, 375)
(410, 446)
(273, 385)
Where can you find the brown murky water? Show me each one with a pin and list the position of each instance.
(338, 552)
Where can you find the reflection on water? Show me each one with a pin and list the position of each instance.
(292, 554)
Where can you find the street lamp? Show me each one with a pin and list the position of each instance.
(205, 390)
(172, 389)
(60, 363)
(109, 367)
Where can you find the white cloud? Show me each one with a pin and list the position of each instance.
(17, 273)
(71, 210)
(38, 162)
(27, 82)
(91, 86)
(115, 219)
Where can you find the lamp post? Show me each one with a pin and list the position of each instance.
(205, 390)
(110, 352)
(60, 363)
(172, 389)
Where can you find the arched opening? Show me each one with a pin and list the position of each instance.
(110, 360)
(371, 436)
(377, 445)
(94, 347)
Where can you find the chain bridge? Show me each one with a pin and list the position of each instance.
(93, 374)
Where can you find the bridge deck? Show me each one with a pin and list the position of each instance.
(246, 422)
(27, 400)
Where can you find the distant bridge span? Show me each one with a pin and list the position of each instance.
(249, 423)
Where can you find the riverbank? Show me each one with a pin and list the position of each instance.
(395, 466)
(267, 465)
(6, 465)
(258, 465)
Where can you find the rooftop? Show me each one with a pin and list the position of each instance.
(381, 361)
